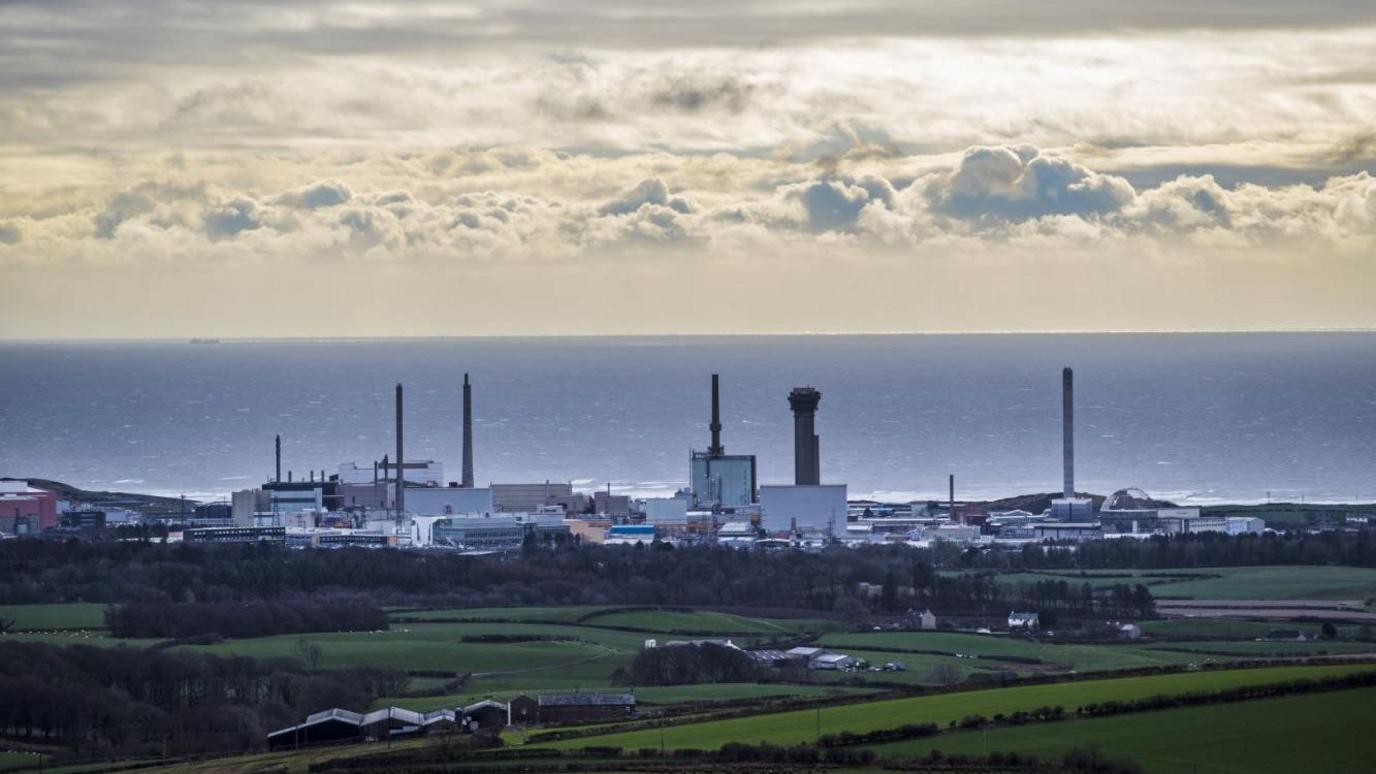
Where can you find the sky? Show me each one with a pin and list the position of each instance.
(533, 167)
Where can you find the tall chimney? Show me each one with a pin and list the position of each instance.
(952, 497)
(1068, 430)
(467, 434)
(715, 449)
(400, 463)
(278, 477)
(807, 465)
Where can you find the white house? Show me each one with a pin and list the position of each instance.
(1023, 621)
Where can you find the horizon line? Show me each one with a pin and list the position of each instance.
(210, 338)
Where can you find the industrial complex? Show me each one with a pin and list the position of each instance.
(404, 501)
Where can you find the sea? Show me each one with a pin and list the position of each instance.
(1197, 418)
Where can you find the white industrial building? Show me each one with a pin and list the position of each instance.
(666, 510)
(448, 501)
(806, 506)
(725, 480)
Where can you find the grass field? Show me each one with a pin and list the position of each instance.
(1263, 649)
(1269, 582)
(672, 694)
(519, 614)
(432, 647)
(1318, 732)
(17, 760)
(707, 622)
(1077, 658)
(802, 726)
(1225, 629)
(76, 615)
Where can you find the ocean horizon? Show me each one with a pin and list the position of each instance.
(1197, 417)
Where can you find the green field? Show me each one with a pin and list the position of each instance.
(1055, 657)
(1319, 582)
(1268, 582)
(671, 694)
(1229, 629)
(1317, 732)
(801, 726)
(520, 614)
(18, 760)
(706, 622)
(1264, 649)
(76, 615)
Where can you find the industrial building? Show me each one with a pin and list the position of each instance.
(529, 498)
(449, 501)
(715, 478)
(807, 504)
(341, 726)
(498, 533)
(547, 708)
(235, 535)
(26, 510)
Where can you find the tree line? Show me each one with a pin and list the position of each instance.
(132, 701)
(696, 576)
(255, 618)
(706, 662)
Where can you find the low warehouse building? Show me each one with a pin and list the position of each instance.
(569, 707)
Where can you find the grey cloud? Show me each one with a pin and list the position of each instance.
(121, 207)
(323, 194)
(237, 215)
(10, 234)
(1017, 183)
(651, 191)
(835, 204)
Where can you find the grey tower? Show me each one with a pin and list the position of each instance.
(467, 433)
(278, 477)
(400, 467)
(716, 449)
(1068, 431)
(807, 463)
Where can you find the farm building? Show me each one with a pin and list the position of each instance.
(331, 725)
(1023, 621)
(343, 726)
(832, 661)
(567, 707)
(482, 715)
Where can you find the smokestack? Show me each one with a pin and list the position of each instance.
(1068, 430)
(467, 481)
(807, 465)
(952, 496)
(715, 449)
(400, 466)
(278, 477)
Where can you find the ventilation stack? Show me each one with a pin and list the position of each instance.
(716, 449)
(1068, 431)
(278, 476)
(400, 467)
(807, 464)
(467, 482)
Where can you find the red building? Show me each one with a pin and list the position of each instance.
(25, 510)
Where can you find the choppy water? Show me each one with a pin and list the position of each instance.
(1198, 417)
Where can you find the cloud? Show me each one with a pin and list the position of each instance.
(1016, 183)
(322, 194)
(651, 191)
(10, 233)
(121, 207)
(229, 219)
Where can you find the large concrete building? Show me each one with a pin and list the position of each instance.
(448, 501)
(717, 479)
(528, 498)
(820, 507)
(26, 510)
